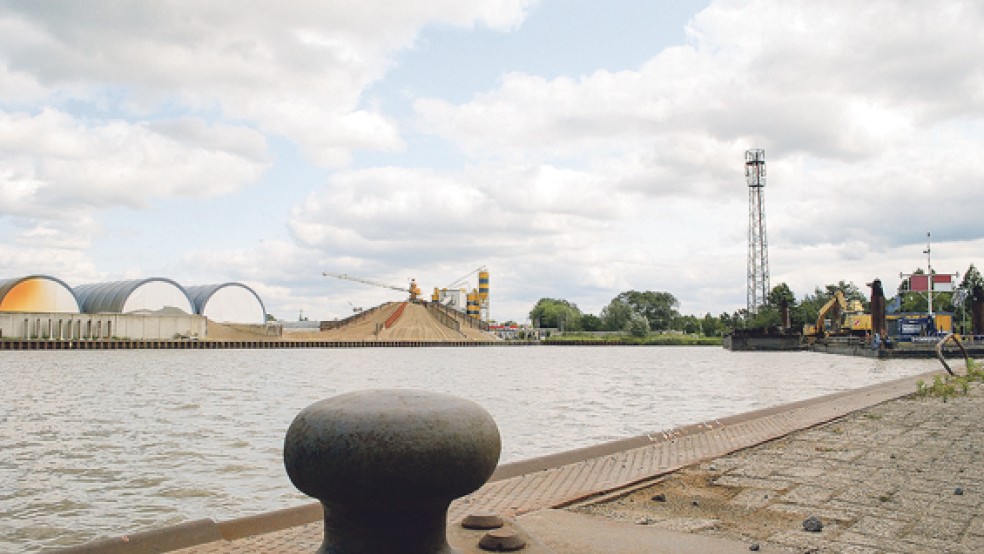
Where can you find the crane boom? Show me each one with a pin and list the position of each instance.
(363, 281)
(461, 279)
(413, 289)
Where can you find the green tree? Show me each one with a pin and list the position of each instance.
(591, 322)
(638, 326)
(659, 308)
(914, 302)
(972, 277)
(616, 315)
(730, 322)
(711, 326)
(767, 316)
(779, 293)
(770, 315)
(556, 313)
(850, 290)
(689, 324)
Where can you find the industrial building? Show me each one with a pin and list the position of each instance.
(474, 303)
(37, 293)
(228, 303)
(147, 296)
(44, 307)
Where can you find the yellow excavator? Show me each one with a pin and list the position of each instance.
(846, 318)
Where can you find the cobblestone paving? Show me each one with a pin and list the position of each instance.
(903, 476)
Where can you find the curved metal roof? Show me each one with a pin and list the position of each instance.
(7, 285)
(111, 297)
(200, 295)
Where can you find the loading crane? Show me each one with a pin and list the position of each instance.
(465, 277)
(413, 289)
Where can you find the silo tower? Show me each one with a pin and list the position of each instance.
(483, 294)
(758, 245)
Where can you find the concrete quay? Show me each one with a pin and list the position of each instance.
(184, 344)
(880, 469)
(905, 476)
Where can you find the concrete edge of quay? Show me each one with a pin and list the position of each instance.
(589, 466)
(522, 467)
(18, 345)
(14, 345)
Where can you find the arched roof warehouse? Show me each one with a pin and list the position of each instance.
(228, 303)
(154, 295)
(37, 293)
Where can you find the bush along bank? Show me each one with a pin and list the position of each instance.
(946, 386)
(629, 340)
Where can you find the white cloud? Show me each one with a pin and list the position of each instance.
(52, 160)
(68, 264)
(296, 70)
(58, 174)
(870, 112)
(402, 214)
(19, 87)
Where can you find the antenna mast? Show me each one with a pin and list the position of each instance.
(929, 270)
(758, 245)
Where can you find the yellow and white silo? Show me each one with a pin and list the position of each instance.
(483, 284)
(473, 306)
(483, 294)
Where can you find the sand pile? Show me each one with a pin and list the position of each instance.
(415, 324)
(232, 332)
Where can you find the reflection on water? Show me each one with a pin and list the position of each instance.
(99, 444)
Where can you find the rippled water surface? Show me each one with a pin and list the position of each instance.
(103, 443)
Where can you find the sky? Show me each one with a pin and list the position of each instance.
(577, 149)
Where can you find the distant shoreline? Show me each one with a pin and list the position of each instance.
(184, 344)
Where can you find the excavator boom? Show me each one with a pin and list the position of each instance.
(834, 308)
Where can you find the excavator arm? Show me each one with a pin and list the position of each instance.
(834, 307)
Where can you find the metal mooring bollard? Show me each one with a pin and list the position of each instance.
(386, 464)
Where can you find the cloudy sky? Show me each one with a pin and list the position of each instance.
(576, 148)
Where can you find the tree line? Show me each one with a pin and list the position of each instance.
(639, 313)
(636, 313)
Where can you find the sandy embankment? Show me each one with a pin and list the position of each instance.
(222, 331)
(416, 324)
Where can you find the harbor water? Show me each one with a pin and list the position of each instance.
(105, 443)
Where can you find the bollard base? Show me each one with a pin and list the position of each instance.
(379, 529)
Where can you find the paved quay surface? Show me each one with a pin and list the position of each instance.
(881, 480)
(903, 476)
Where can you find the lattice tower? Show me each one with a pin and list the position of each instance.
(758, 245)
